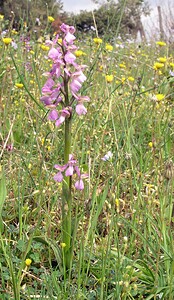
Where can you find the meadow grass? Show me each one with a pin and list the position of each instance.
(123, 220)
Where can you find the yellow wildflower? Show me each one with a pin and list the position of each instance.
(42, 141)
(63, 245)
(28, 262)
(158, 65)
(117, 202)
(109, 78)
(122, 66)
(79, 53)
(14, 31)
(109, 47)
(130, 78)
(98, 41)
(172, 65)
(162, 59)
(160, 43)
(1, 17)
(50, 19)
(44, 47)
(150, 144)
(123, 79)
(7, 40)
(19, 85)
(159, 97)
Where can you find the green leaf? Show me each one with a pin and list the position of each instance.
(53, 245)
(21, 245)
(3, 72)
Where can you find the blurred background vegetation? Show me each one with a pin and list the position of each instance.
(116, 18)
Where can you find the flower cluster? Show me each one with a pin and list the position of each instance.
(64, 79)
(69, 169)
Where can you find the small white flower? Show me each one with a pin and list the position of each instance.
(125, 238)
(171, 73)
(107, 156)
(93, 28)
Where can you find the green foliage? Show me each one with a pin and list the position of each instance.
(113, 18)
(20, 11)
(122, 239)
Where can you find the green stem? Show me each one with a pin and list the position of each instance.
(67, 199)
(66, 189)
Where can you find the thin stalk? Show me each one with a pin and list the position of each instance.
(66, 189)
(121, 16)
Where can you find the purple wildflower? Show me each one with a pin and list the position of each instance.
(53, 115)
(81, 109)
(62, 87)
(70, 57)
(14, 45)
(51, 94)
(64, 114)
(79, 185)
(68, 31)
(70, 169)
(48, 86)
(65, 71)
(58, 177)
